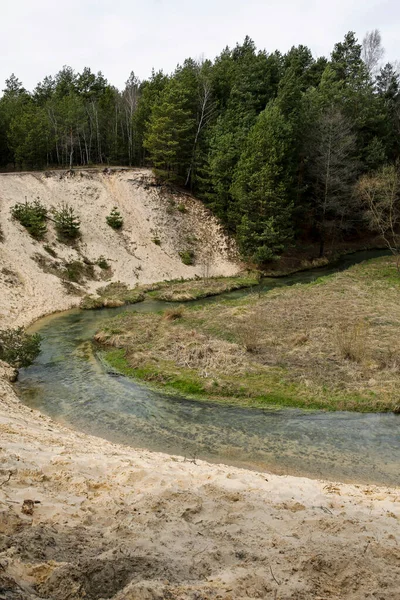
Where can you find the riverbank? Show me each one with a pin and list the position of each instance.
(330, 344)
(159, 227)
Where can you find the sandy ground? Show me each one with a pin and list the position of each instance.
(81, 518)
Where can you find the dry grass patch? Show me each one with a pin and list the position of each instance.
(112, 295)
(332, 343)
(172, 314)
(352, 341)
(185, 291)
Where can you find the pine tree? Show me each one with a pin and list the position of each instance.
(261, 188)
(172, 125)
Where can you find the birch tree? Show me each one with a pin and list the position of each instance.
(331, 168)
(379, 194)
(206, 110)
(372, 51)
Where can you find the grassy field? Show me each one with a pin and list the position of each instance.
(332, 344)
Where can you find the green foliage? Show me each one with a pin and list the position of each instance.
(209, 127)
(17, 348)
(76, 271)
(172, 125)
(102, 263)
(32, 215)
(67, 223)
(187, 257)
(50, 250)
(115, 219)
(261, 188)
(28, 136)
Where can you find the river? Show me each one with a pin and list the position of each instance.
(69, 382)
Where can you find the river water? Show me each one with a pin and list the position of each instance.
(69, 383)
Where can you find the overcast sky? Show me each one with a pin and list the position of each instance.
(38, 37)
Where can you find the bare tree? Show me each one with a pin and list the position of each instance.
(130, 98)
(379, 194)
(206, 261)
(372, 50)
(331, 166)
(206, 109)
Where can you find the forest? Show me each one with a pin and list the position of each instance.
(281, 147)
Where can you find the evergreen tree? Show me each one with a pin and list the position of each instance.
(172, 125)
(261, 187)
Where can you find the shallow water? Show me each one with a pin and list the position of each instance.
(69, 383)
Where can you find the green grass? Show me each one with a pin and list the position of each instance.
(245, 391)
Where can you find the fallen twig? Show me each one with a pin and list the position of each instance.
(273, 576)
(325, 509)
(10, 474)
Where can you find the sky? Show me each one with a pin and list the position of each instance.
(38, 37)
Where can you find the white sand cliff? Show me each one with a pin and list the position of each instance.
(81, 518)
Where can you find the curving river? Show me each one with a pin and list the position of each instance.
(69, 383)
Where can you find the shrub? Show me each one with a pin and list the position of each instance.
(187, 257)
(182, 208)
(50, 250)
(115, 219)
(102, 263)
(157, 241)
(191, 239)
(76, 271)
(351, 341)
(32, 215)
(67, 223)
(250, 331)
(17, 348)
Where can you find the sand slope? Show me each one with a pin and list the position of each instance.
(150, 212)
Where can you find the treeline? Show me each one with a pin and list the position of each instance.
(276, 144)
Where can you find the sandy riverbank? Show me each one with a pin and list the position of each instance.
(109, 521)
